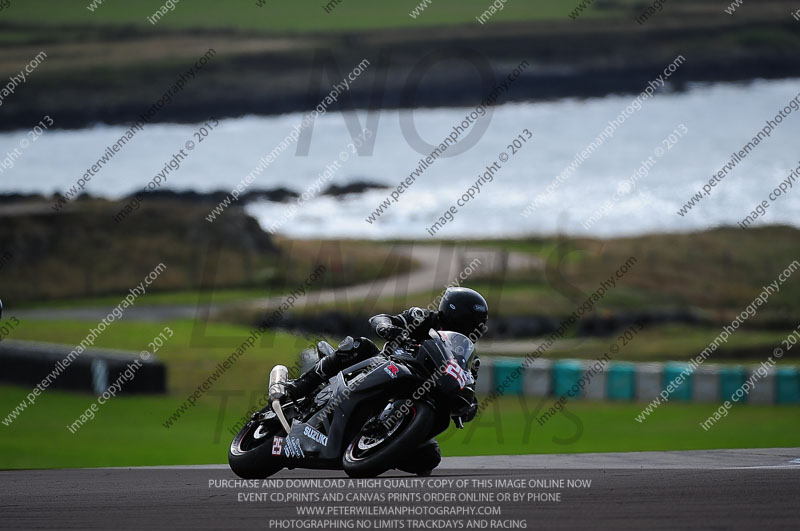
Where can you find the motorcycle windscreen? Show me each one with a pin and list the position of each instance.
(452, 353)
(462, 349)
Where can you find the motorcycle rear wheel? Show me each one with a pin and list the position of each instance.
(250, 454)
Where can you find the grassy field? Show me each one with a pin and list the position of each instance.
(272, 16)
(715, 273)
(128, 431)
(510, 427)
(678, 342)
(73, 258)
(189, 358)
(283, 17)
(729, 268)
(267, 59)
(188, 297)
(131, 431)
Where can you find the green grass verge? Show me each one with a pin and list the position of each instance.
(715, 273)
(284, 17)
(510, 427)
(128, 431)
(190, 355)
(180, 298)
(677, 342)
(232, 256)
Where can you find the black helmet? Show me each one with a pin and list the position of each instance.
(463, 310)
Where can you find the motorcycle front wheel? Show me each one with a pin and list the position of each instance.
(376, 449)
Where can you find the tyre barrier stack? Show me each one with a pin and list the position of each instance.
(28, 363)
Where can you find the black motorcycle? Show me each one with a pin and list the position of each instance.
(367, 419)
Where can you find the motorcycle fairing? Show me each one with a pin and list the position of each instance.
(302, 446)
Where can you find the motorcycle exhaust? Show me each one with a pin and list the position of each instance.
(277, 380)
(277, 388)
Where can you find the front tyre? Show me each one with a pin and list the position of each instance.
(372, 452)
(422, 460)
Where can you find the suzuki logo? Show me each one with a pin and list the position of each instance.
(314, 435)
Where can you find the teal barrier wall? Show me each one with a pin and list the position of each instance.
(503, 368)
(621, 381)
(682, 391)
(641, 382)
(787, 386)
(565, 375)
(730, 380)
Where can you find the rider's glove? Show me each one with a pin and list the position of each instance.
(389, 331)
(469, 404)
(467, 412)
(470, 413)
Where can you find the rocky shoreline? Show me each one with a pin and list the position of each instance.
(451, 67)
(276, 195)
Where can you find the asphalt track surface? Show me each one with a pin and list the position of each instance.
(721, 489)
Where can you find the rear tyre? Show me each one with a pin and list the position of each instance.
(368, 455)
(250, 454)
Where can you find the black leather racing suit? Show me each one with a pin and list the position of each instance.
(415, 324)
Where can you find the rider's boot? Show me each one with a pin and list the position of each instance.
(307, 382)
(349, 351)
(422, 460)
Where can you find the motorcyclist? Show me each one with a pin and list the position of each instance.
(461, 310)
